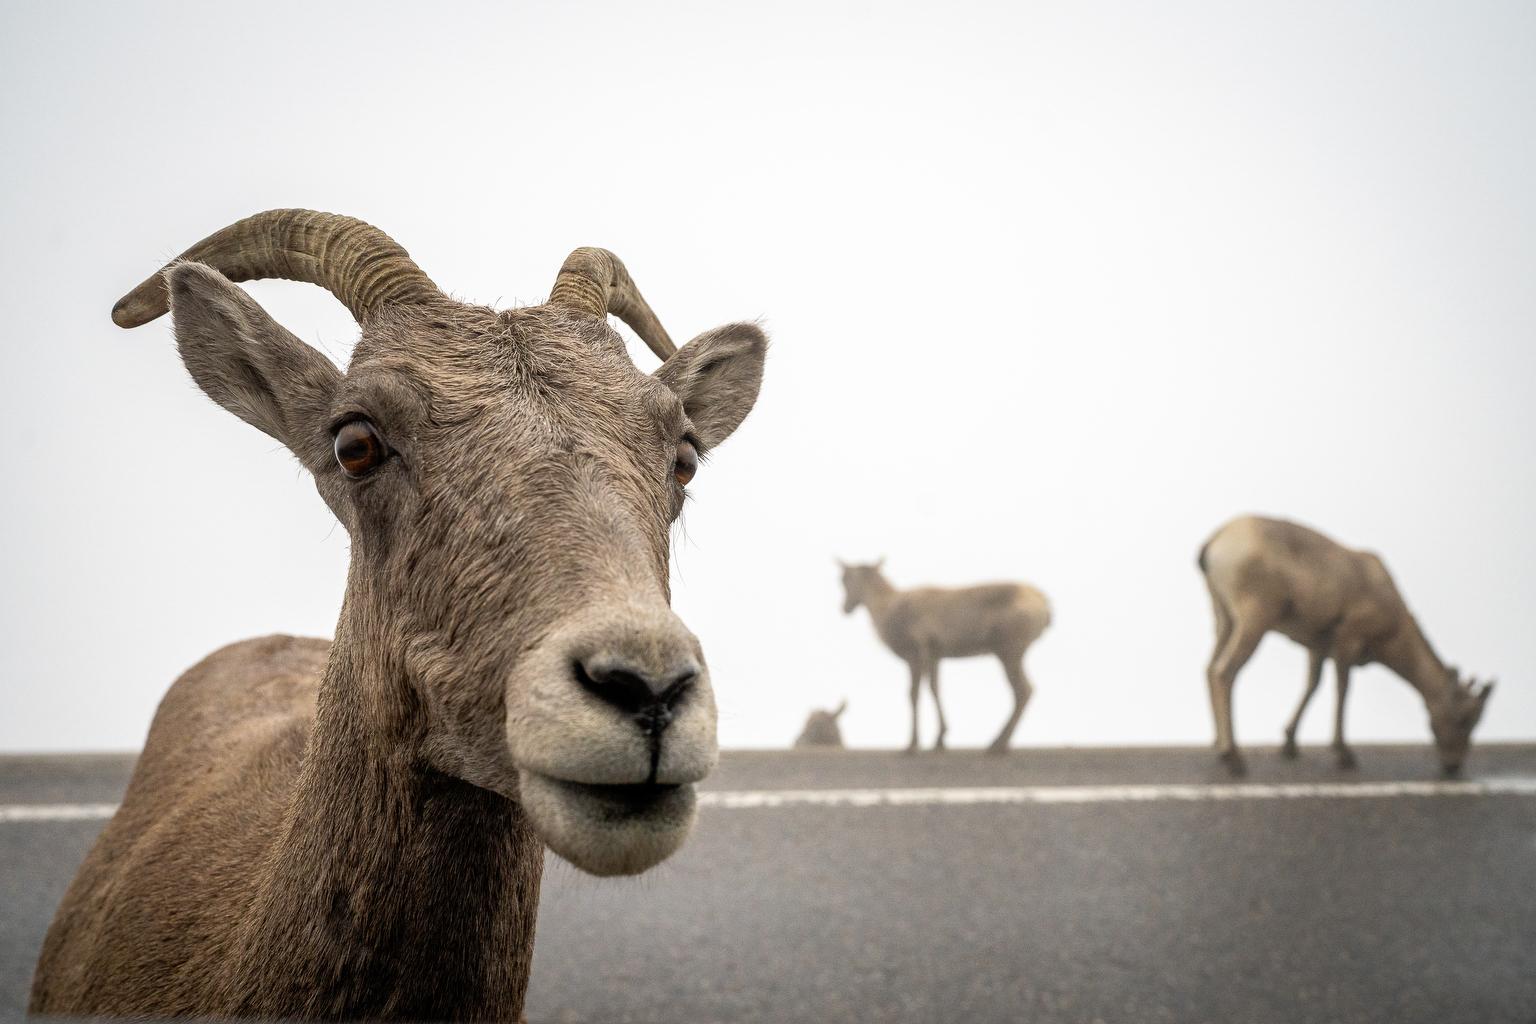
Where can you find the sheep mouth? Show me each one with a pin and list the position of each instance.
(617, 803)
(608, 829)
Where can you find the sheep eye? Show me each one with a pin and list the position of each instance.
(359, 448)
(686, 463)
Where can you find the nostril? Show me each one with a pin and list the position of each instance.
(676, 690)
(651, 703)
(625, 690)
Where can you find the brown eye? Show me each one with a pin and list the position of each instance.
(359, 448)
(686, 464)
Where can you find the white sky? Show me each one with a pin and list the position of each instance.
(1054, 290)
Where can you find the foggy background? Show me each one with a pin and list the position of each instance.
(1054, 291)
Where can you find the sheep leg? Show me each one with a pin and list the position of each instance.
(916, 667)
(1341, 752)
(1013, 667)
(933, 686)
(1226, 662)
(1315, 659)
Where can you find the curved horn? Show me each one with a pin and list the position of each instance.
(354, 261)
(593, 281)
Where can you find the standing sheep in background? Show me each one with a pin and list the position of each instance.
(926, 624)
(1269, 574)
(821, 729)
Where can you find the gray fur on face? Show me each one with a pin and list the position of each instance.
(523, 522)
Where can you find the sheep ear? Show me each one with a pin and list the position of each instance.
(717, 375)
(840, 709)
(249, 363)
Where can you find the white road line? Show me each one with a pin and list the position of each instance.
(55, 812)
(751, 799)
(746, 799)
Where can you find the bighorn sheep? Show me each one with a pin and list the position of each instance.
(926, 624)
(1269, 574)
(356, 828)
(821, 729)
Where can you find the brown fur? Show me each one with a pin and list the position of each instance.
(356, 828)
(1269, 574)
(924, 625)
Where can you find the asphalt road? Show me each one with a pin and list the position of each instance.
(1397, 908)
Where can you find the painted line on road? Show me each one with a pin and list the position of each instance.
(751, 799)
(55, 812)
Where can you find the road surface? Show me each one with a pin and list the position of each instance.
(1047, 886)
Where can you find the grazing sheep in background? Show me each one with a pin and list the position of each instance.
(1269, 574)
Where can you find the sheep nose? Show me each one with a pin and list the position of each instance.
(649, 699)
